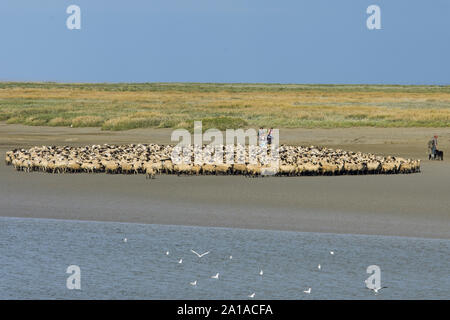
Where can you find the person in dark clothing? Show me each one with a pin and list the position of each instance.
(430, 149)
(269, 136)
(434, 146)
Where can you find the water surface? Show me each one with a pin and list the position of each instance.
(35, 253)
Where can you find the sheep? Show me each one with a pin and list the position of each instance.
(416, 165)
(269, 170)
(168, 166)
(287, 170)
(111, 167)
(288, 160)
(196, 169)
(373, 166)
(43, 165)
(239, 168)
(85, 166)
(51, 166)
(253, 170)
(22, 165)
(223, 168)
(300, 169)
(327, 168)
(350, 168)
(73, 166)
(157, 167)
(182, 168)
(149, 170)
(60, 166)
(126, 167)
(405, 167)
(9, 157)
(137, 166)
(311, 169)
(388, 167)
(208, 169)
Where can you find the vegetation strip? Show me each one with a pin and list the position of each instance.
(223, 106)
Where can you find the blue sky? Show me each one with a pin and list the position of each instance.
(287, 41)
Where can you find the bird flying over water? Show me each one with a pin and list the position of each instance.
(194, 283)
(180, 261)
(307, 291)
(319, 267)
(252, 295)
(331, 252)
(200, 255)
(216, 276)
(167, 253)
(125, 239)
(261, 273)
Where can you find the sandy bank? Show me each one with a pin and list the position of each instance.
(406, 205)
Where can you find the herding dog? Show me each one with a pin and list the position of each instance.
(439, 155)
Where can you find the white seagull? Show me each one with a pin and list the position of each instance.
(194, 283)
(125, 239)
(180, 261)
(167, 253)
(252, 295)
(216, 276)
(319, 267)
(200, 255)
(261, 273)
(307, 291)
(231, 257)
(331, 252)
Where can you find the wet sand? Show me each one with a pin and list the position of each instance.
(416, 205)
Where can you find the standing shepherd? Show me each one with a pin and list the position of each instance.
(430, 149)
(262, 136)
(270, 136)
(260, 132)
(434, 146)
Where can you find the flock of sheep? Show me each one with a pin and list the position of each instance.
(152, 159)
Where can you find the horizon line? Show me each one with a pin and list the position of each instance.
(215, 83)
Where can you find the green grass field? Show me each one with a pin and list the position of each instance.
(125, 106)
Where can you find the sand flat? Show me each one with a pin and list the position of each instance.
(415, 205)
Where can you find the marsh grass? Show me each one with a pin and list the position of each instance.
(222, 106)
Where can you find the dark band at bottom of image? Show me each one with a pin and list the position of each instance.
(228, 309)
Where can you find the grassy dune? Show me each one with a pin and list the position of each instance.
(175, 105)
